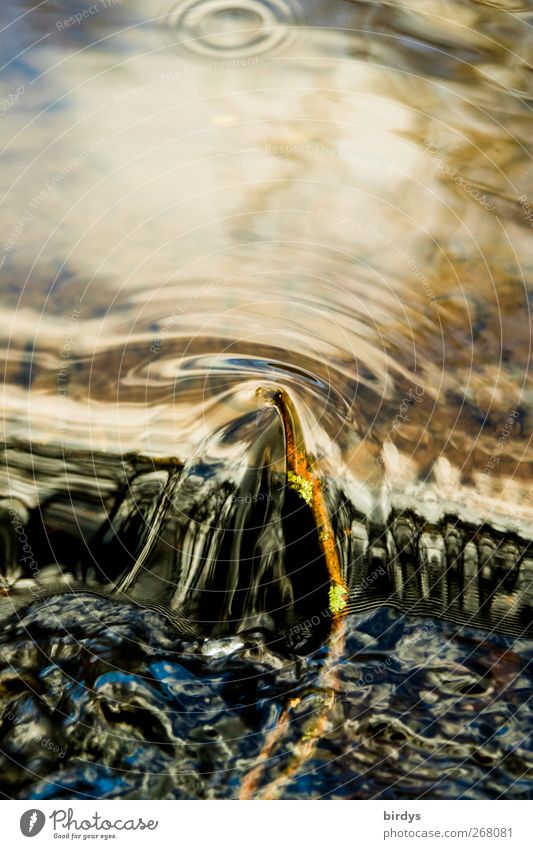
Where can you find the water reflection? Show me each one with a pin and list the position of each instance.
(348, 214)
(333, 196)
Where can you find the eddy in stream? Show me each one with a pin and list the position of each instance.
(251, 533)
(250, 537)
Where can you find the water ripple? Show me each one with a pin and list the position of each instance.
(235, 29)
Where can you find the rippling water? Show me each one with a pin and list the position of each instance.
(202, 198)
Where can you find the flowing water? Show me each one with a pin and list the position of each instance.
(204, 204)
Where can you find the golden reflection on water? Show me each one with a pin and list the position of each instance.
(346, 213)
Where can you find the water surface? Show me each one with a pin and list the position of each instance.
(333, 197)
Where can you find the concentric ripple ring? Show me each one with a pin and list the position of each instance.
(233, 28)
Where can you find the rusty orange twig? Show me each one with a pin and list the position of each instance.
(306, 482)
